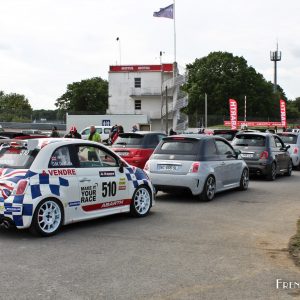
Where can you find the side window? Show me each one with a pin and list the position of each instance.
(278, 142)
(272, 142)
(210, 149)
(223, 148)
(85, 132)
(94, 157)
(99, 130)
(107, 130)
(61, 158)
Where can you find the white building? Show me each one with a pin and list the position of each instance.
(137, 89)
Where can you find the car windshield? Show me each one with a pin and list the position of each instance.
(249, 140)
(16, 157)
(178, 147)
(289, 138)
(129, 140)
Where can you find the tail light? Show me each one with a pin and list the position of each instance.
(137, 153)
(21, 188)
(296, 150)
(264, 155)
(195, 167)
(146, 167)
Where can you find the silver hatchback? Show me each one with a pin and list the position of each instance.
(292, 139)
(201, 164)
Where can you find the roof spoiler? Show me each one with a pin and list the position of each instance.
(30, 144)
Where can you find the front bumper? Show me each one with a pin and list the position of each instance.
(19, 215)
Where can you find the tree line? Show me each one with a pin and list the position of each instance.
(220, 75)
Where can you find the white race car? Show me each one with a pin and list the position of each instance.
(47, 183)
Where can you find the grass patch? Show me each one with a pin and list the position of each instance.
(294, 246)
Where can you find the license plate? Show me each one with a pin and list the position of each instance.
(168, 167)
(123, 153)
(247, 155)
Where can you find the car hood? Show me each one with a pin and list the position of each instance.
(9, 179)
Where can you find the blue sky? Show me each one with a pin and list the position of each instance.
(47, 44)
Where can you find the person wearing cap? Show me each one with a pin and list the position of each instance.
(54, 132)
(73, 134)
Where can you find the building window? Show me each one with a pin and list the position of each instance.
(137, 82)
(138, 104)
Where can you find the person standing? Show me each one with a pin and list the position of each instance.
(119, 130)
(134, 128)
(94, 135)
(73, 134)
(54, 132)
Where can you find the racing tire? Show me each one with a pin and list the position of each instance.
(47, 218)
(209, 189)
(244, 182)
(273, 172)
(141, 202)
(289, 169)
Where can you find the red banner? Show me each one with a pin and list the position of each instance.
(255, 124)
(142, 68)
(233, 113)
(283, 113)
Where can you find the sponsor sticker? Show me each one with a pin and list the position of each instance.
(107, 173)
(1, 209)
(13, 209)
(122, 184)
(59, 172)
(74, 203)
(88, 193)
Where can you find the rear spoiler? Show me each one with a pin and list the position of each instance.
(30, 144)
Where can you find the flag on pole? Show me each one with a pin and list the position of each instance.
(166, 12)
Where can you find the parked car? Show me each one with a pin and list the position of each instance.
(201, 164)
(136, 147)
(292, 139)
(102, 130)
(32, 131)
(264, 153)
(47, 183)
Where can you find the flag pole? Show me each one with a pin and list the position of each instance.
(174, 30)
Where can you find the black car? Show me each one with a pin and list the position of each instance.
(227, 134)
(264, 153)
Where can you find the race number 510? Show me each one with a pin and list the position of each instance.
(109, 189)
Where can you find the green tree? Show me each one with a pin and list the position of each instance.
(14, 108)
(222, 76)
(90, 95)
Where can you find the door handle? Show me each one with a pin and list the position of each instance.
(84, 180)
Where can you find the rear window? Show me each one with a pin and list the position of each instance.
(177, 150)
(129, 140)
(182, 147)
(227, 136)
(249, 140)
(17, 157)
(289, 138)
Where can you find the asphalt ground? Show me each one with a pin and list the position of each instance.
(234, 247)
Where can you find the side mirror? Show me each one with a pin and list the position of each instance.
(121, 166)
(237, 152)
(287, 147)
